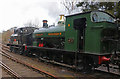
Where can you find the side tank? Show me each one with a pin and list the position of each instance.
(51, 37)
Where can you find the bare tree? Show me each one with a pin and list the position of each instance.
(70, 5)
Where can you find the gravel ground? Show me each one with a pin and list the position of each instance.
(53, 69)
(60, 71)
(116, 71)
(20, 69)
(5, 74)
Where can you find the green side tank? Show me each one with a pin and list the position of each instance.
(54, 34)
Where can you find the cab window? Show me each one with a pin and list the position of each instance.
(101, 16)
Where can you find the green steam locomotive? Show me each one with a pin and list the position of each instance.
(83, 41)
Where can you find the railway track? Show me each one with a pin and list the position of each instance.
(96, 71)
(48, 75)
(9, 70)
(103, 69)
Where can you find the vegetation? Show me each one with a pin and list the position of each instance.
(70, 5)
(111, 7)
(0, 37)
(5, 36)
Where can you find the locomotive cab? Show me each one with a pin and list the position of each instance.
(105, 23)
(92, 34)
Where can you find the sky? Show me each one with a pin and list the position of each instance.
(16, 13)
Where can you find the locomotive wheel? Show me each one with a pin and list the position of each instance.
(20, 50)
(88, 64)
(85, 64)
(14, 50)
(80, 65)
(11, 49)
(27, 53)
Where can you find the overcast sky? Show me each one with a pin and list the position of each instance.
(18, 12)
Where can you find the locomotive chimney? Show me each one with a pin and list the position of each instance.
(45, 25)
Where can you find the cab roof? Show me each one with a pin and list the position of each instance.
(89, 12)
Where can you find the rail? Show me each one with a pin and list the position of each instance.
(96, 70)
(27, 65)
(9, 70)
